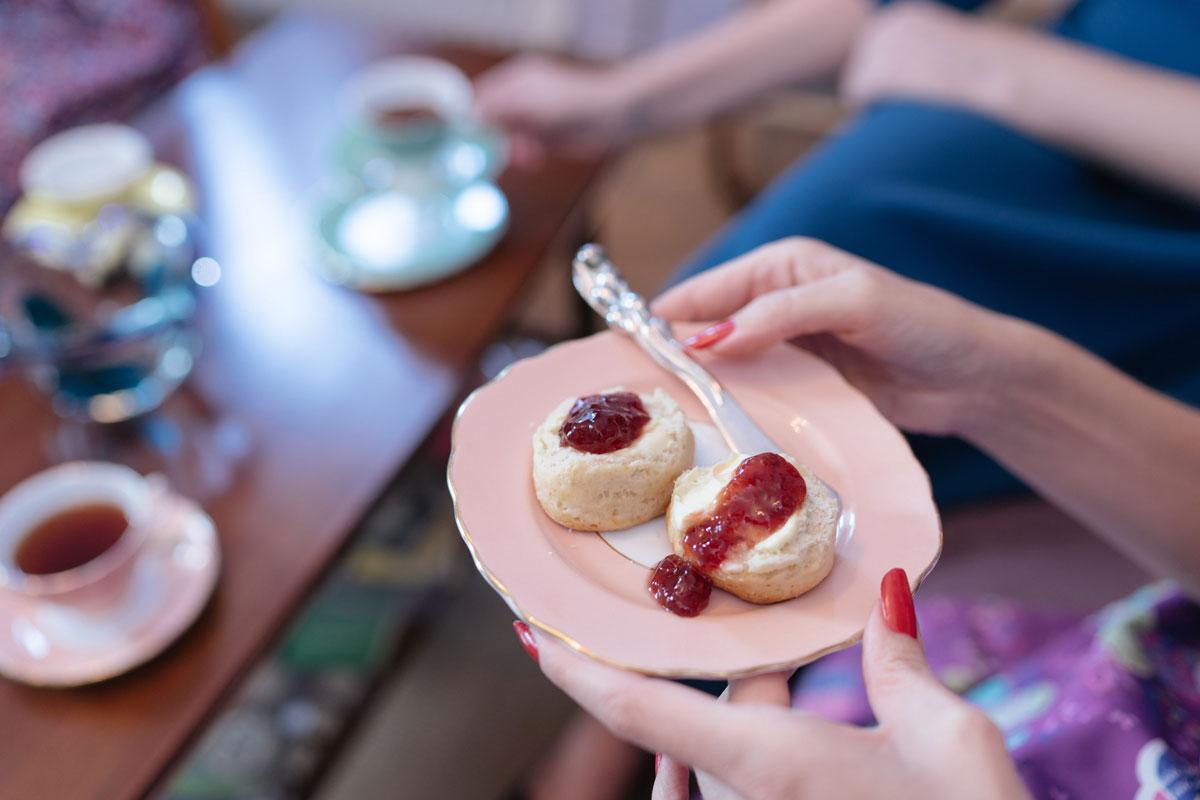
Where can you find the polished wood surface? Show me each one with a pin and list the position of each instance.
(307, 399)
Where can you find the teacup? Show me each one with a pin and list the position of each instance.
(71, 534)
(411, 127)
(408, 103)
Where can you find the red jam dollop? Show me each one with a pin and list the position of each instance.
(603, 423)
(679, 587)
(765, 490)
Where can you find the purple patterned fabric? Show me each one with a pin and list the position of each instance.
(66, 62)
(1092, 707)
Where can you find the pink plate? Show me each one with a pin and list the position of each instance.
(46, 644)
(576, 587)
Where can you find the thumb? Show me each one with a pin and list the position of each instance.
(899, 681)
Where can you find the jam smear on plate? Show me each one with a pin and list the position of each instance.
(603, 423)
(765, 490)
(679, 587)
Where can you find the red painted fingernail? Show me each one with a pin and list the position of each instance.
(710, 335)
(898, 611)
(525, 636)
(657, 762)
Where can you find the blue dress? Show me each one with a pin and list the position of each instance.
(954, 199)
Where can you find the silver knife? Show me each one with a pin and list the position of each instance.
(605, 290)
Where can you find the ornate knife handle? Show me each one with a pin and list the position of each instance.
(606, 291)
(601, 285)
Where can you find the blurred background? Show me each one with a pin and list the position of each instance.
(395, 674)
(275, 350)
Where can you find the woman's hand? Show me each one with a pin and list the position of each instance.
(929, 743)
(1081, 434)
(925, 357)
(926, 51)
(549, 105)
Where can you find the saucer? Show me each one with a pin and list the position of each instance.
(48, 644)
(402, 217)
(390, 240)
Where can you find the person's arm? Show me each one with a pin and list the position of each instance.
(760, 48)
(1121, 458)
(1135, 118)
(550, 105)
(1132, 117)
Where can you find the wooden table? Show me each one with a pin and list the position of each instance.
(329, 391)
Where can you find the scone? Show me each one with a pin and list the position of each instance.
(608, 461)
(753, 539)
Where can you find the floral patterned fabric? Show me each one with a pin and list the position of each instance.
(67, 62)
(1103, 706)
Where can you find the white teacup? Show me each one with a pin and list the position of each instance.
(409, 83)
(85, 167)
(101, 582)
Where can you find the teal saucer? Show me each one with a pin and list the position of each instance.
(423, 160)
(410, 211)
(388, 239)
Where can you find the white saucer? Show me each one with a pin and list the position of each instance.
(47, 644)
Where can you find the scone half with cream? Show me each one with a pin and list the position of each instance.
(607, 461)
(762, 527)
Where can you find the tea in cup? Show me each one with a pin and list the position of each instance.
(71, 534)
(409, 103)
